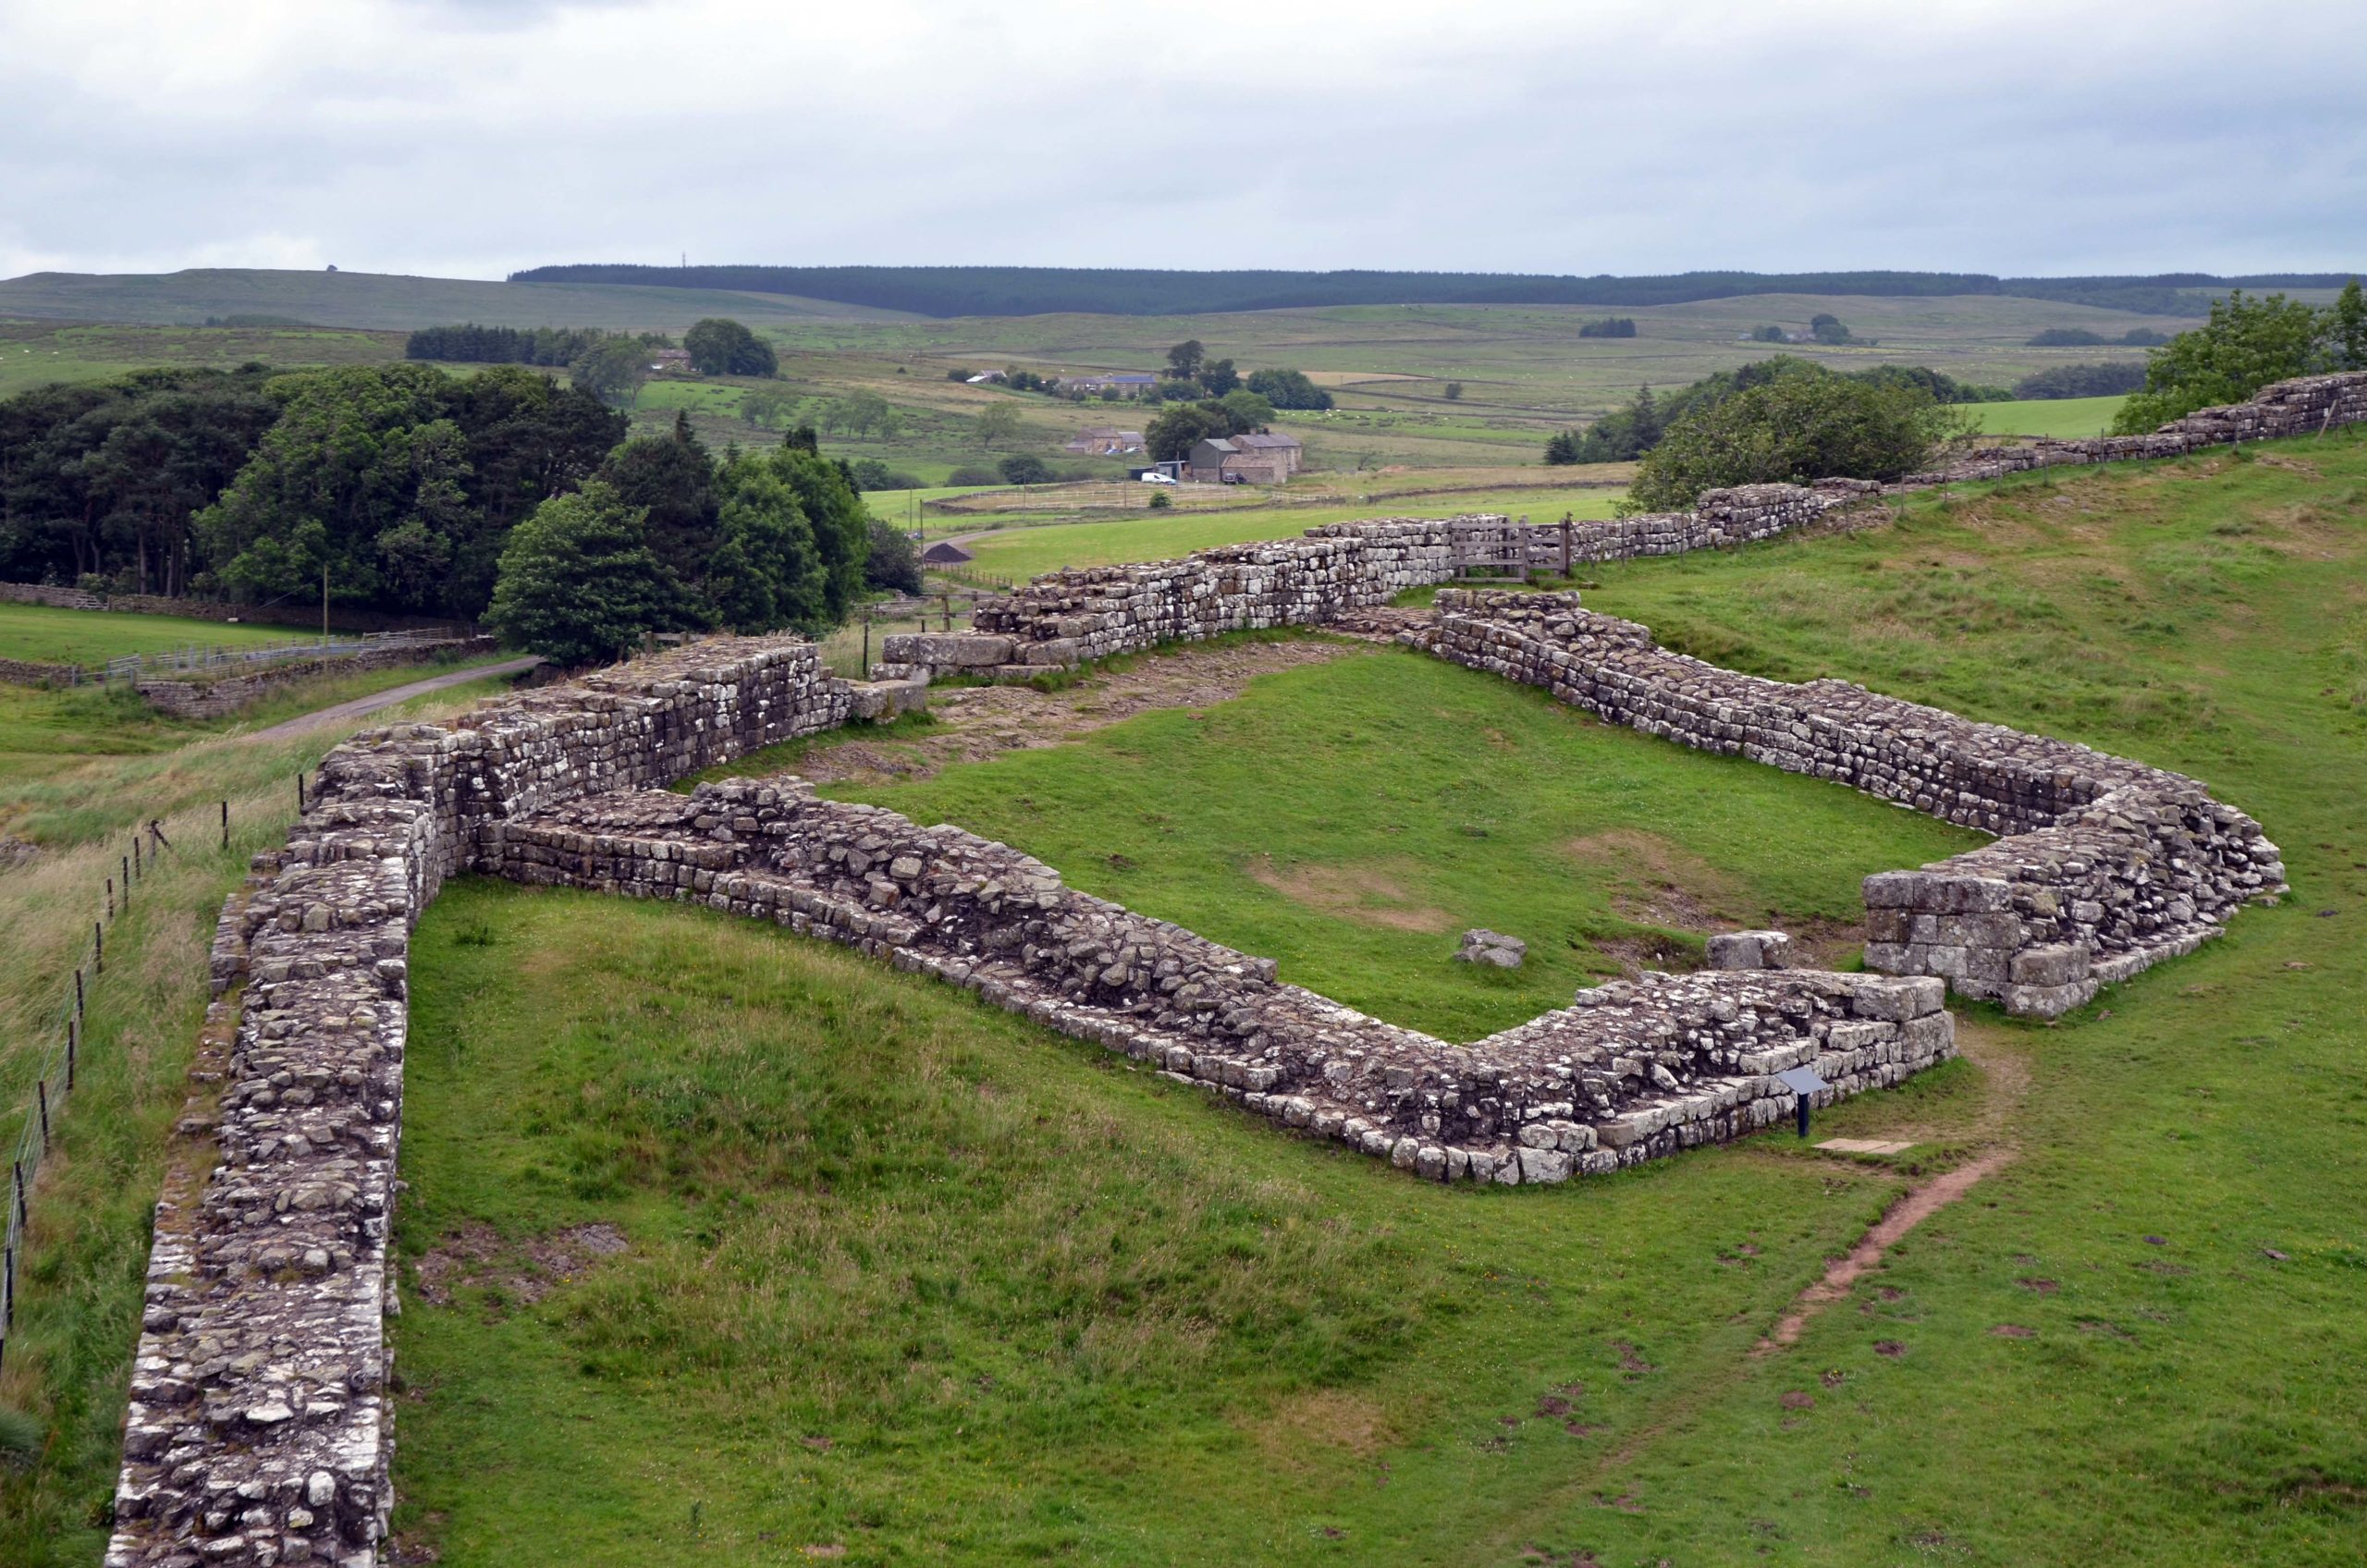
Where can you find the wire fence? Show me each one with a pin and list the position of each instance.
(54, 1079)
(132, 667)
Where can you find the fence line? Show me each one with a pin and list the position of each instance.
(55, 1077)
(131, 666)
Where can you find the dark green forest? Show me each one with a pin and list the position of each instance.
(1151, 291)
(410, 490)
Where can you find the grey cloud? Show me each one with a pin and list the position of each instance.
(467, 138)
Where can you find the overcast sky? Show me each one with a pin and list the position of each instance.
(467, 139)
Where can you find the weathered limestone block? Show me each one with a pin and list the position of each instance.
(946, 649)
(1750, 949)
(1492, 948)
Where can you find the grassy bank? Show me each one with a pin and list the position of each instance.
(1421, 799)
(903, 1278)
(86, 761)
(44, 634)
(78, 1291)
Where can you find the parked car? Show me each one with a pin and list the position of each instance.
(1152, 476)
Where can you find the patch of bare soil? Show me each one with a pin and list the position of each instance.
(977, 722)
(1656, 883)
(1902, 1217)
(1365, 894)
(475, 1256)
(1324, 1418)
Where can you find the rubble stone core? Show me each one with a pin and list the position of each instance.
(259, 1430)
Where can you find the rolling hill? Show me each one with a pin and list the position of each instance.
(382, 300)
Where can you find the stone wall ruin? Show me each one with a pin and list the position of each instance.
(259, 1429)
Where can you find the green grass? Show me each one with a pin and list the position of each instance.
(1422, 799)
(1023, 551)
(41, 634)
(77, 1314)
(913, 1278)
(76, 762)
(2071, 419)
(1325, 1362)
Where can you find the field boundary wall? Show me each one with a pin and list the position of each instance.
(2102, 866)
(259, 1430)
(342, 620)
(196, 696)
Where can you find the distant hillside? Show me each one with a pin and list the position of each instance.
(377, 300)
(1010, 291)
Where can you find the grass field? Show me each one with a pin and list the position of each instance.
(1028, 547)
(44, 634)
(35, 353)
(1422, 799)
(2071, 419)
(905, 1279)
(1523, 370)
(80, 762)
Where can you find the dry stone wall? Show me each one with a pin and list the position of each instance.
(258, 1429)
(199, 698)
(1635, 1071)
(2103, 866)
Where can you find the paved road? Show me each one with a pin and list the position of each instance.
(372, 703)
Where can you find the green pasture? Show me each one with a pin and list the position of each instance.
(2072, 419)
(44, 634)
(1422, 799)
(33, 353)
(1023, 548)
(904, 1278)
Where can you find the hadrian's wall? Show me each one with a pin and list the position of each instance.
(259, 1429)
(2103, 865)
(259, 1426)
(1067, 617)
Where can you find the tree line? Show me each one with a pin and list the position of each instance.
(414, 491)
(1002, 291)
(555, 346)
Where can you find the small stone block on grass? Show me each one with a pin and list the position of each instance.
(1864, 1146)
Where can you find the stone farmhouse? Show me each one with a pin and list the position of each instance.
(1126, 384)
(1245, 459)
(1104, 441)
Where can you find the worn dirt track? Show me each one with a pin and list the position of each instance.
(976, 722)
(360, 706)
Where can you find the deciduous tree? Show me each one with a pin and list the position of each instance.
(578, 581)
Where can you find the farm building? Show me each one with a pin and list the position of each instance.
(1126, 382)
(1245, 459)
(1104, 440)
(946, 552)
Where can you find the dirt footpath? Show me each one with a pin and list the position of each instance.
(976, 722)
